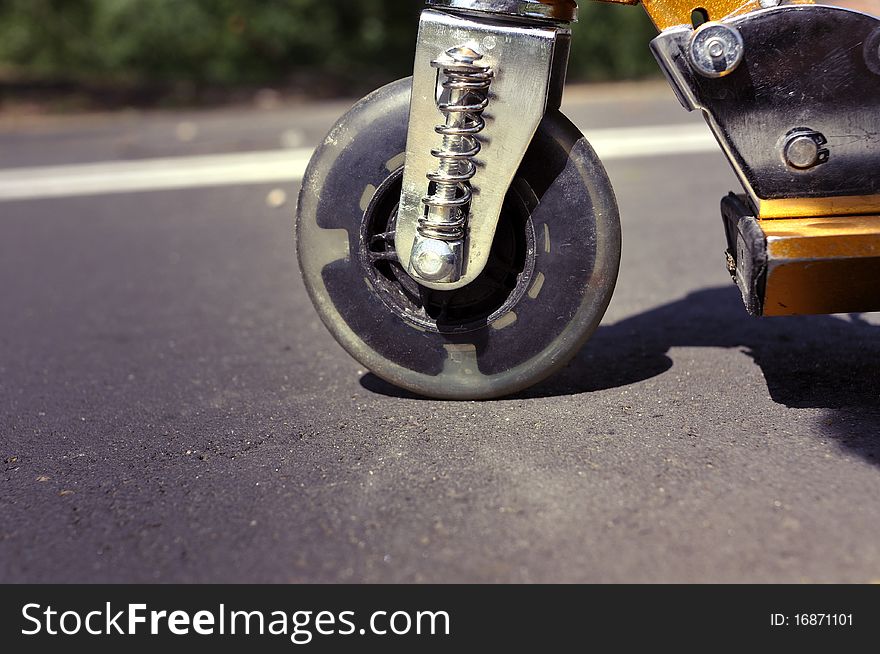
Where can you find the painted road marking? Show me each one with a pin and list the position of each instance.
(287, 165)
(154, 174)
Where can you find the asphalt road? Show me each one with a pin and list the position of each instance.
(171, 408)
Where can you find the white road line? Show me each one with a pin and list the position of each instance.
(278, 166)
(652, 141)
(153, 174)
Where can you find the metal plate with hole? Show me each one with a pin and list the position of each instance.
(803, 67)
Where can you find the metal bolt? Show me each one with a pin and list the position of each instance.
(463, 54)
(716, 49)
(802, 152)
(433, 260)
(768, 4)
(803, 149)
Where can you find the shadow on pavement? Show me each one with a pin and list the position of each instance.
(825, 362)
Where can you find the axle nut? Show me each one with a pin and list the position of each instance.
(433, 260)
(716, 49)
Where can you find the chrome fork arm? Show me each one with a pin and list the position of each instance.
(460, 163)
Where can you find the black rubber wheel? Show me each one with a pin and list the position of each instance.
(549, 280)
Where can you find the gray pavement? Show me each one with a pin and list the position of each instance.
(171, 408)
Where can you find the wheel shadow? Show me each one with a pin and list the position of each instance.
(826, 362)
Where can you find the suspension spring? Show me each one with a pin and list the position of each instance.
(465, 96)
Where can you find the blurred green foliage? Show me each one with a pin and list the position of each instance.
(326, 46)
(611, 42)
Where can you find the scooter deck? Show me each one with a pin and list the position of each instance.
(793, 266)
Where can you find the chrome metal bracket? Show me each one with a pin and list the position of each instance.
(523, 57)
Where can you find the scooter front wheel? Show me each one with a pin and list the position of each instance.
(550, 276)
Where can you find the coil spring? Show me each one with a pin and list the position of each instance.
(465, 84)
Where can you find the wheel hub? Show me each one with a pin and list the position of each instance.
(490, 296)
